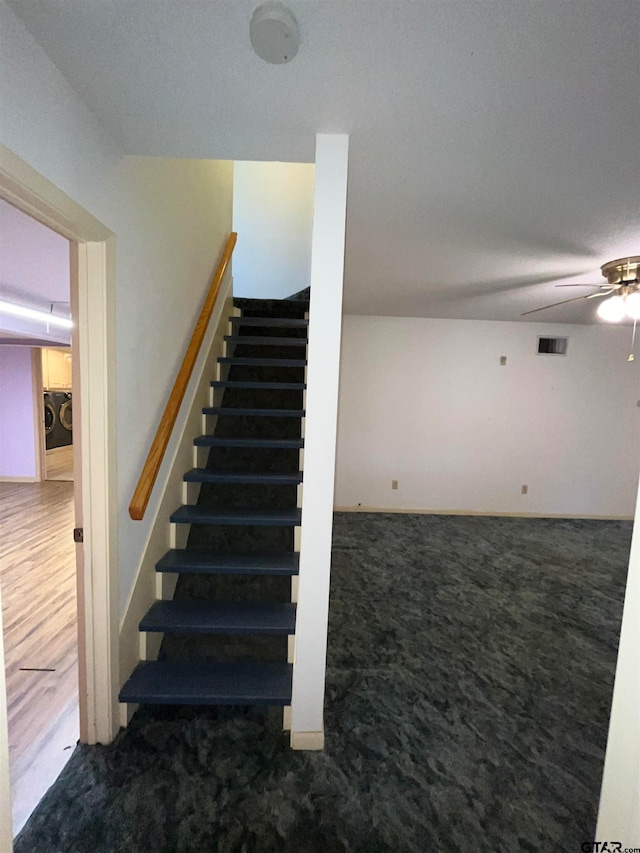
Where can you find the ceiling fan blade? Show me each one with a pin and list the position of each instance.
(598, 295)
(565, 301)
(554, 304)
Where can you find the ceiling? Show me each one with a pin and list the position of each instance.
(494, 145)
(34, 273)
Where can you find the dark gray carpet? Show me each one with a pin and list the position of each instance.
(470, 673)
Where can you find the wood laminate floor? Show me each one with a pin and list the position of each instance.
(59, 463)
(39, 601)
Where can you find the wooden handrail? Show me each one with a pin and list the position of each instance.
(158, 448)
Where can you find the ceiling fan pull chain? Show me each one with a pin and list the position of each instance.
(633, 342)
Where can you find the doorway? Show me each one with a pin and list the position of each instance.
(38, 565)
(93, 497)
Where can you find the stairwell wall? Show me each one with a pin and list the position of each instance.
(273, 209)
(170, 218)
(427, 403)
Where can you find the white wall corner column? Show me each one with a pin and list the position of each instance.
(323, 372)
(619, 814)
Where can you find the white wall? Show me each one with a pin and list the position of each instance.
(273, 215)
(170, 218)
(17, 418)
(321, 405)
(619, 813)
(426, 402)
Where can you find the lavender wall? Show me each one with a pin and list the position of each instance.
(17, 426)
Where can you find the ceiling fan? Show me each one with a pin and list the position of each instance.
(622, 288)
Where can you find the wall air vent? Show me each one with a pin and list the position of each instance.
(552, 346)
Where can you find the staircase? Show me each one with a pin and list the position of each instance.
(226, 630)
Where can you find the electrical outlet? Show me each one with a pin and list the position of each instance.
(525, 490)
(394, 484)
(503, 360)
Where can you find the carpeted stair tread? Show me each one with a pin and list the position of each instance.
(266, 386)
(209, 683)
(263, 362)
(262, 340)
(184, 560)
(268, 478)
(188, 514)
(223, 411)
(274, 443)
(285, 322)
(194, 616)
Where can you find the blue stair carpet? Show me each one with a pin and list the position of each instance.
(190, 561)
(209, 683)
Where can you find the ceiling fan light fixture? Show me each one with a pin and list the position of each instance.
(33, 314)
(612, 310)
(632, 305)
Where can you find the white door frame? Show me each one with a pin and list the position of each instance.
(93, 312)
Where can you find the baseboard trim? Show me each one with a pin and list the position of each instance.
(412, 511)
(286, 718)
(18, 480)
(307, 740)
(126, 712)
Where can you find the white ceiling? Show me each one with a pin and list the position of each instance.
(494, 143)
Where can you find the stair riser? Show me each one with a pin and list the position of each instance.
(257, 351)
(227, 540)
(243, 373)
(253, 459)
(248, 427)
(270, 322)
(268, 331)
(258, 398)
(246, 588)
(223, 495)
(229, 649)
(269, 361)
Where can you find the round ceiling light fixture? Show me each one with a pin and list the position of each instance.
(274, 33)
